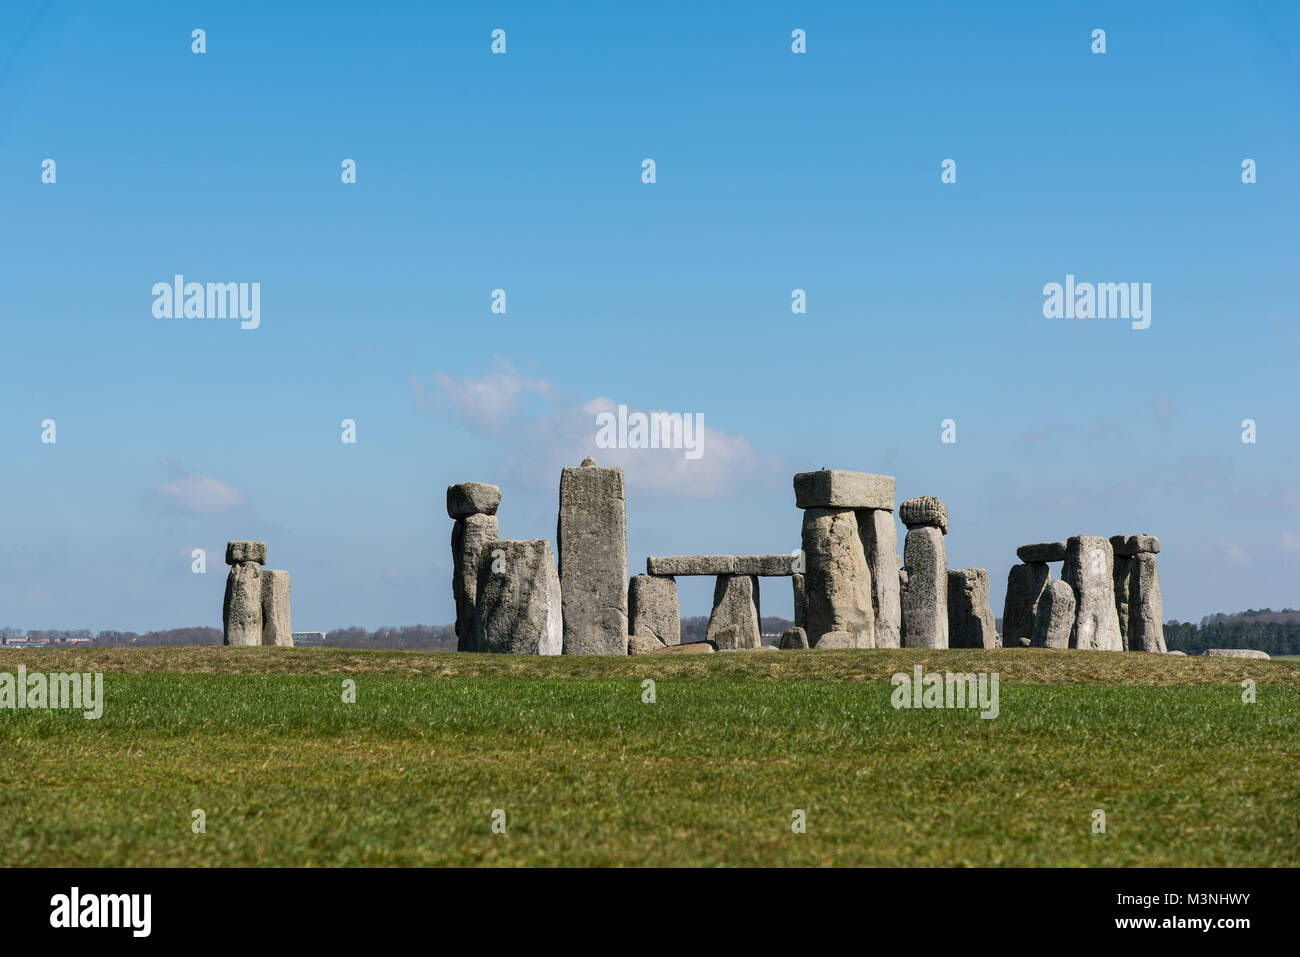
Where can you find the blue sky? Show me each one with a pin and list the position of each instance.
(522, 172)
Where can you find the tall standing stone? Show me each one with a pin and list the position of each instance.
(1054, 619)
(837, 578)
(880, 542)
(518, 603)
(592, 539)
(800, 608)
(652, 608)
(1146, 629)
(468, 536)
(925, 599)
(1090, 571)
(241, 612)
(474, 507)
(970, 619)
(1025, 586)
(1123, 579)
(277, 623)
(733, 623)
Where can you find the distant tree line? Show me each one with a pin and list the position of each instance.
(1274, 632)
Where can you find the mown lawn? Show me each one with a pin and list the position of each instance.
(586, 773)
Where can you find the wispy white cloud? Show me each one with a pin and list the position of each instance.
(482, 402)
(202, 493)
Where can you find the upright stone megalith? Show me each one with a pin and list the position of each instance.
(592, 540)
(518, 602)
(652, 607)
(733, 623)
(473, 505)
(925, 599)
(1090, 571)
(970, 619)
(837, 578)
(834, 579)
(241, 612)
(277, 623)
(880, 542)
(1054, 619)
(1025, 586)
(1146, 629)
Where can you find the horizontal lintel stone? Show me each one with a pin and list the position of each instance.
(691, 565)
(837, 488)
(766, 565)
(1042, 552)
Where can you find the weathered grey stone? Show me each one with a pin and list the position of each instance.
(879, 537)
(925, 599)
(1054, 620)
(652, 608)
(924, 511)
(691, 565)
(468, 536)
(1231, 653)
(1130, 545)
(1090, 570)
(1122, 576)
(1146, 627)
(237, 552)
(771, 566)
(241, 612)
(794, 637)
(1180, 654)
(643, 644)
(837, 579)
(1041, 552)
(688, 648)
(800, 607)
(836, 488)
(277, 624)
(518, 607)
(833, 640)
(734, 620)
(592, 539)
(1025, 586)
(970, 619)
(472, 498)
(1024, 642)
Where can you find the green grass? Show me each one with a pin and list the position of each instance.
(288, 774)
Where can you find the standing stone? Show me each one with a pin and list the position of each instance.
(519, 600)
(241, 615)
(734, 620)
(1090, 570)
(924, 510)
(837, 578)
(970, 619)
(277, 626)
(1054, 620)
(472, 498)
(800, 608)
(468, 536)
(794, 638)
(652, 608)
(1146, 629)
(925, 599)
(1123, 578)
(1025, 586)
(592, 539)
(880, 542)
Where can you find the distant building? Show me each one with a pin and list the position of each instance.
(308, 638)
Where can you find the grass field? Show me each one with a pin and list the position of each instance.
(287, 773)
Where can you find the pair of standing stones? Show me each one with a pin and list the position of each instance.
(1107, 598)
(256, 606)
(510, 595)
